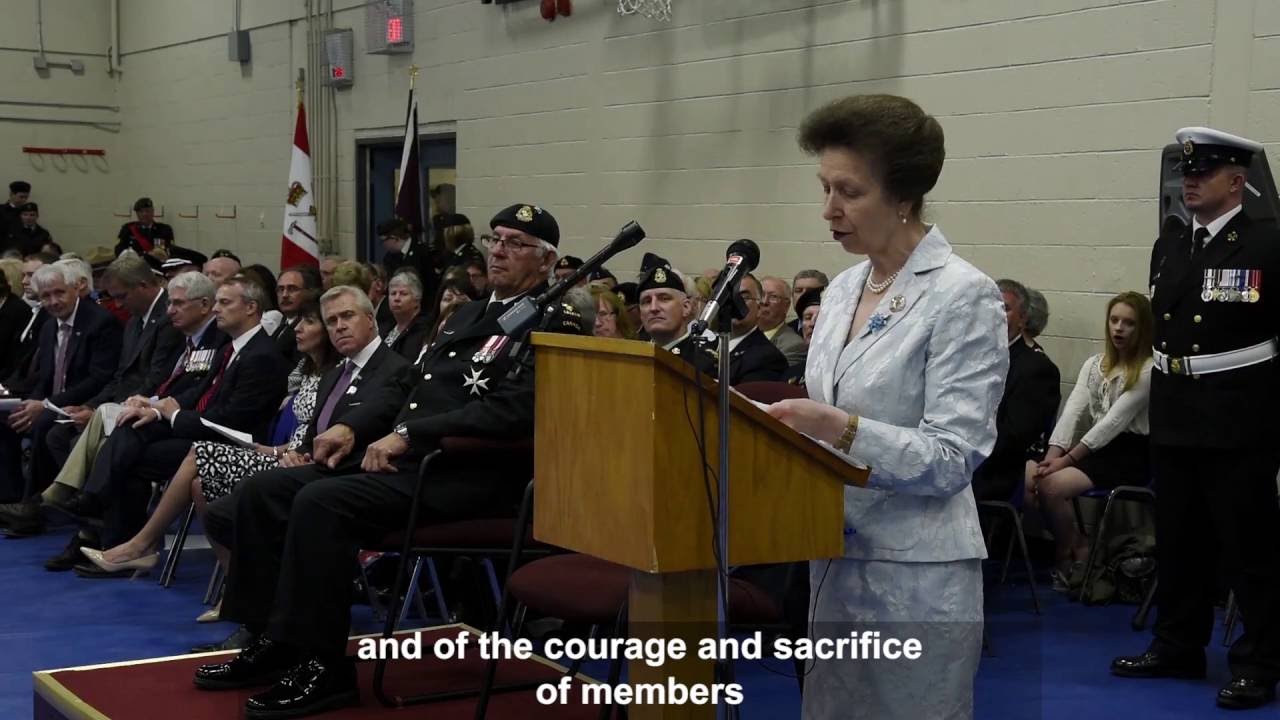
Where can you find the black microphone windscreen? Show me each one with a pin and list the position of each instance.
(747, 250)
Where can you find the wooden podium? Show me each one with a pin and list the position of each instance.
(618, 471)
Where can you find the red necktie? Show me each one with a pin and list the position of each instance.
(207, 397)
(178, 371)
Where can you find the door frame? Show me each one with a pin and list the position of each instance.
(366, 226)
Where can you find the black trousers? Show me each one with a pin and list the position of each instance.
(294, 534)
(1217, 512)
(127, 464)
(52, 455)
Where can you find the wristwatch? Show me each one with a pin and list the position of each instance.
(403, 431)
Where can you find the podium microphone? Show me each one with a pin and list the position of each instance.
(525, 313)
(740, 259)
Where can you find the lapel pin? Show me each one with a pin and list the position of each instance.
(1232, 237)
(897, 303)
(878, 322)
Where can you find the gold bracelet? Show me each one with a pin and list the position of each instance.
(846, 438)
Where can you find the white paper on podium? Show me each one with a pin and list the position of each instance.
(826, 446)
(235, 436)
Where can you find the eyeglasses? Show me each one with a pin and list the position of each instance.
(748, 297)
(771, 298)
(509, 244)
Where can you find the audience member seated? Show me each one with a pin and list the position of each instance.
(221, 267)
(412, 326)
(455, 292)
(664, 309)
(152, 438)
(1037, 318)
(612, 320)
(294, 533)
(76, 356)
(566, 266)
(212, 468)
(478, 273)
(149, 348)
(752, 358)
(807, 307)
(804, 281)
(1027, 408)
(14, 315)
(296, 287)
(173, 267)
(378, 296)
(459, 244)
(602, 277)
(328, 264)
(775, 303)
(630, 294)
(272, 318)
(1101, 438)
(190, 314)
(27, 235)
(24, 376)
(152, 240)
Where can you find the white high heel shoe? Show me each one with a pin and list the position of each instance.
(146, 562)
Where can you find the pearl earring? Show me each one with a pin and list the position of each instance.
(904, 219)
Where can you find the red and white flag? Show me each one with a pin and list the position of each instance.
(299, 245)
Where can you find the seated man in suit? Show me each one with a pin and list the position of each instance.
(29, 236)
(151, 439)
(190, 313)
(294, 533)
(23, 375)
(77, 355)
(295, 286)
(150, 347)
(1027, 408)
(775, 302)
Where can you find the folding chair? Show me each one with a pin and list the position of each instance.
(1135, 493)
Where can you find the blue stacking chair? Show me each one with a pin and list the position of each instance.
(1012, 509)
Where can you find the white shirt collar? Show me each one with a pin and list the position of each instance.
(362, 358)
(147, 318)
(198, 335)
(72, 320)
(493, 298)
(1216, 226)
(238, 344)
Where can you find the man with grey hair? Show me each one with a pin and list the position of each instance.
(775, 304)
(1037, 317)
(183, 364)
(804, 281)
(77, 354)
(148, 444)
(1027, 409)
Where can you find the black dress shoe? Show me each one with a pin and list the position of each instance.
(262, 662)
(311, 687)
(81, 506)
(70, 555)
(1153, 664)
(241, 638)
(1246, 694)
(21, 519)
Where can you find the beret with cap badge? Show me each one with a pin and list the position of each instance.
(531, 220)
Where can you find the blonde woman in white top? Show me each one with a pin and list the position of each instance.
(1100, 440)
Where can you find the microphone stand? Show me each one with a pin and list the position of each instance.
(721, 323)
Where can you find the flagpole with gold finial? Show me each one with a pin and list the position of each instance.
(413, 74)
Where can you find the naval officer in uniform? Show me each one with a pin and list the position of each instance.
(1213, 425)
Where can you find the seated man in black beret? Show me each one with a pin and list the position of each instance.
(294, 533)
(28, 235)
(566, 267)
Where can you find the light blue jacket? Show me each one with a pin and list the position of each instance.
(925, 375)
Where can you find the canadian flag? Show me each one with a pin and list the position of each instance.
(299, 245)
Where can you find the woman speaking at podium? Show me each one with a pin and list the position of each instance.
(905, 370)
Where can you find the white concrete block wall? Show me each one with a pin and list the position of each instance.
(1054, 112)
(68, 189)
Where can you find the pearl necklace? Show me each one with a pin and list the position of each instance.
(877, 288)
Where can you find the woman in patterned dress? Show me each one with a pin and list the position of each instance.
(212, 469)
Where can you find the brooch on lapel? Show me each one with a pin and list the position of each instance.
(897, 303)
(1232, 237)
(878, 322)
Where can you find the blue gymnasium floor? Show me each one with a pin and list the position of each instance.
(1051, 668)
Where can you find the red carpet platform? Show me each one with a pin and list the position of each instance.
(161, 688)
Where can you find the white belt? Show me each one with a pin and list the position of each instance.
(1217, 362)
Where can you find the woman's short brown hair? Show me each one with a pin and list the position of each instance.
(903, 145)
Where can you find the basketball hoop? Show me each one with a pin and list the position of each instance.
(659, 10)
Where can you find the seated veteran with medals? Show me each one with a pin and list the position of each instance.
(294, 532)
(1213, 425)
(152, 240)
